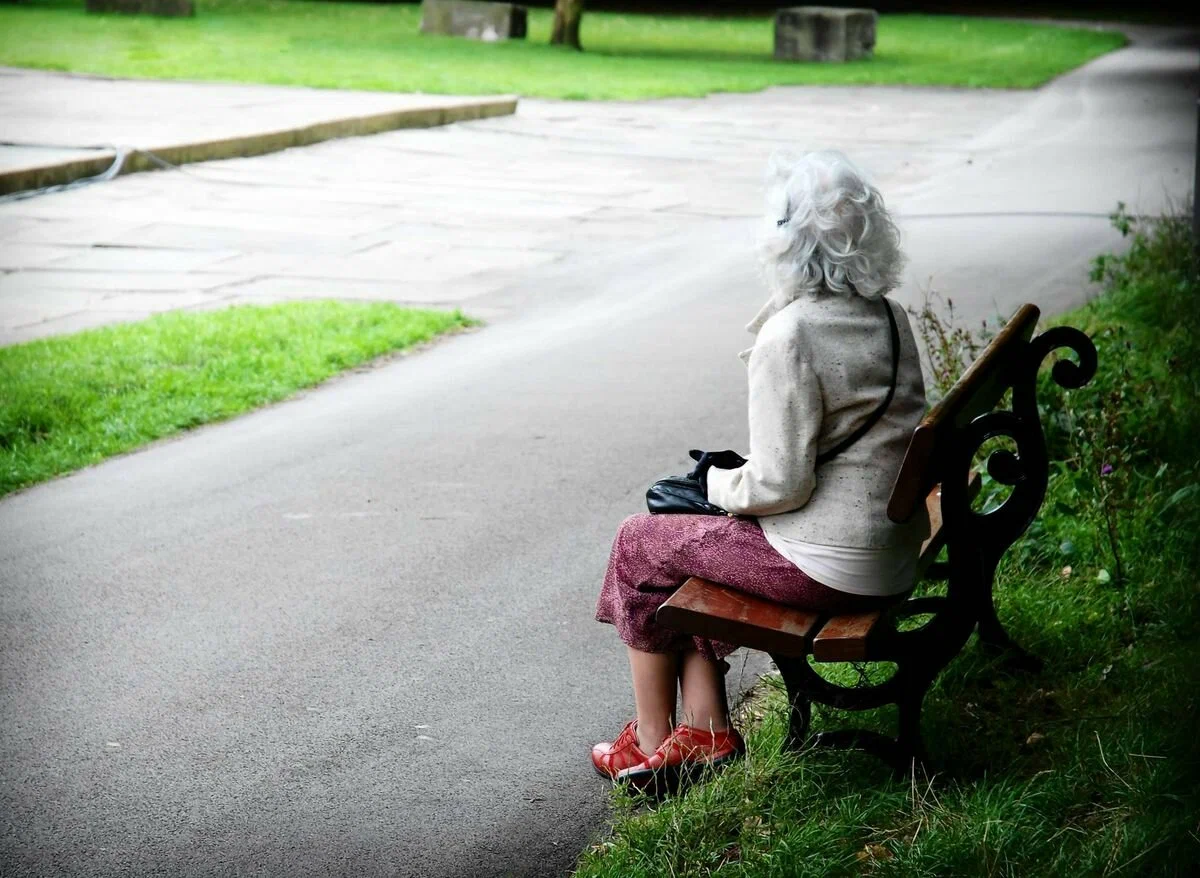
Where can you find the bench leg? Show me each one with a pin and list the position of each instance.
(900, 752)
(909, 741)
(800, 706)
(996, 640)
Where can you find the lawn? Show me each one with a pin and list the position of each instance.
(378, 47)
(72, 401)
(1090, 767)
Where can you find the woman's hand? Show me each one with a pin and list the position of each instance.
(706, 460)
(720, 459)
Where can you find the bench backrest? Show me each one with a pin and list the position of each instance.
(976, 392)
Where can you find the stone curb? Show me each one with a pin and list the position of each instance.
(58, 173)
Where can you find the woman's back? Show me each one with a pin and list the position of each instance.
(846, 341)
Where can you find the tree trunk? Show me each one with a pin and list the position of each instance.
(567, 15)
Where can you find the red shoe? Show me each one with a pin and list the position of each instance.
(702, 748)
(610, 759)
(684, 755)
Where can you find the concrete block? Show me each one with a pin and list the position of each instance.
(824, 33)
(165, 8)
(478, 21)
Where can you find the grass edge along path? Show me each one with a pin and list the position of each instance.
(374, 46)
(72, 401)
(1091, 767)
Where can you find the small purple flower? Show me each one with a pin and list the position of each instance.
(1106, 469)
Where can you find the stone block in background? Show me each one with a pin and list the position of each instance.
(824, 33)
(478, 21)
(166, 8)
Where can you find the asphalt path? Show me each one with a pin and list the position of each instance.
(351, 634)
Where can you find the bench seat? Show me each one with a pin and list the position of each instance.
(709, 609)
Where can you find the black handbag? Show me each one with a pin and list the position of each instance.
(680, 495)
(688, 495)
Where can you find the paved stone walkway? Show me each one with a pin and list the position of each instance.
(443, 215)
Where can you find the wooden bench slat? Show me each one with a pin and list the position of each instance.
(706, 609)
(937, 537)
(937, 540)
(845, 638)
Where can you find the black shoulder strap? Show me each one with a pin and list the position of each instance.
(887, 400)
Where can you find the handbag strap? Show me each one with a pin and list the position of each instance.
(887, 400)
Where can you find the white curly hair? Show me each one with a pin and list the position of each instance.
(826, 230)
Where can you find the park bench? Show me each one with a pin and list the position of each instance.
(996, 397)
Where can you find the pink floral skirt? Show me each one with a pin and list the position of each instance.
(655, 554)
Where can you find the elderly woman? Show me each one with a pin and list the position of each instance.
(835, 393)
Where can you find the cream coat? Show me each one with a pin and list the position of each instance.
(818, 368)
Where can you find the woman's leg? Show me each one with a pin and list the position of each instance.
(701, 681)
(702, 686)
(655, 675)
(652, 556)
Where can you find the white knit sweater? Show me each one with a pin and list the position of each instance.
(819, 368)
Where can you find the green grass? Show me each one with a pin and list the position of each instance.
(1091, 767)
(377, 46)
(69, 402)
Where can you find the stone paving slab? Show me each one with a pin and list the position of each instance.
(58, 128)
